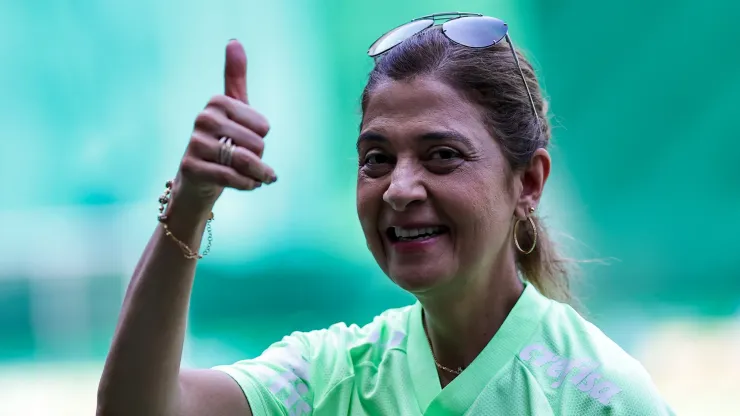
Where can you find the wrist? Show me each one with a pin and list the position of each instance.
(184, 204)
(183, 209)
(183, 216)
(184, 223)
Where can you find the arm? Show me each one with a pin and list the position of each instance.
(141, 374)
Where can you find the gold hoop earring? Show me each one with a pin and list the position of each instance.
(534, 230)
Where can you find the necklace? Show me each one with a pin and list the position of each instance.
(440, 366)
(449, 370)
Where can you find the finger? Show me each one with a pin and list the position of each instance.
(214, 122)
(250, 165)
(242, 137)
(218, 174)
(241, 113)
(205, 147)
(235, 71)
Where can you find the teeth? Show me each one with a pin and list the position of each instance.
(415, 232)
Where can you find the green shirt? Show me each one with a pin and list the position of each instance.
(544, 360)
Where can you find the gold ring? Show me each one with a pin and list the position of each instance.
(225, 151)
(229, 153)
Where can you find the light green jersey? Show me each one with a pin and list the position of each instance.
(545, 360)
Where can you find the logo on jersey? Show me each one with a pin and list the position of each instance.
(582, 372)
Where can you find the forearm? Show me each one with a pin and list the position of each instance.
(141, 372)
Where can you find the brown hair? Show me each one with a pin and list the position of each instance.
(490, 78)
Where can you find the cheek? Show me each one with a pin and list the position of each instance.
(484, 217)
(369, 198)
(369, 204)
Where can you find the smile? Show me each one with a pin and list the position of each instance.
(401, 234)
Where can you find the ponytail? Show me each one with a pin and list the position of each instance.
(544, 267)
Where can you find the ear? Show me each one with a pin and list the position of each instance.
(533, 179)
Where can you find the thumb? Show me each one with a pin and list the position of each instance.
(235, 71)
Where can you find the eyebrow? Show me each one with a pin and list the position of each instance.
(432, 136)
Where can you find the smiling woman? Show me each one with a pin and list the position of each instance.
(421, 175)
(452, 165)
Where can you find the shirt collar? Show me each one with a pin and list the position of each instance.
(459, 395)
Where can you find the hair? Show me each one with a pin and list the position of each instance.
(489, 78)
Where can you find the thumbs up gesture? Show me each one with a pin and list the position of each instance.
(226, 146)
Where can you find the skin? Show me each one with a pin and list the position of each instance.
(425, 157)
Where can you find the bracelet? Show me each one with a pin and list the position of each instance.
(164, 199)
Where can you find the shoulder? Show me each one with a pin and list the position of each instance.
(296, 372)
(338, 345)
(387, 329)
(578, 365)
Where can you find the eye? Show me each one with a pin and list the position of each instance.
(376, 158)
(444, 154)
(443, 160)
(376, 164)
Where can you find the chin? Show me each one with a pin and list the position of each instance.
(418, 280)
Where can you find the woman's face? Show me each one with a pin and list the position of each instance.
(434, 194)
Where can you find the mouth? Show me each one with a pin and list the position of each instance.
(403, 234)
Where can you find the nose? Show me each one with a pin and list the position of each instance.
(406, 186)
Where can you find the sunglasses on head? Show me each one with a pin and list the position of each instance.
(467, 29)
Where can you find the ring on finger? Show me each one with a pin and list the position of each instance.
(229, 154)
(224, 144)
(225, 151)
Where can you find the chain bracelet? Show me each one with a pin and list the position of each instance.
(189, 253)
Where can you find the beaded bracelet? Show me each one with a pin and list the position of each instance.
(189, 253)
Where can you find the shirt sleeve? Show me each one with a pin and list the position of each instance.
(636, 396)
(636, 405)
(278, 382)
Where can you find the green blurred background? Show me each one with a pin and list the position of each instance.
(96, 105)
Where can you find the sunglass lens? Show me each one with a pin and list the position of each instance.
(475, 31)
(398, 35)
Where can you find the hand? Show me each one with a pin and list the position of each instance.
(201, 176)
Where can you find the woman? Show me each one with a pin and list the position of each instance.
(452, 164)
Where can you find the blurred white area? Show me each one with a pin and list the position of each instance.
(695, 365)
